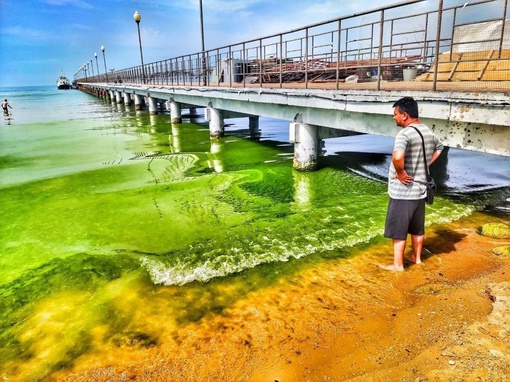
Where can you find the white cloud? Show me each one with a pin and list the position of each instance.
(65, 3)
(27, 33)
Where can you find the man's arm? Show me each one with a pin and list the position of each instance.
(398, 162)
(435, 155)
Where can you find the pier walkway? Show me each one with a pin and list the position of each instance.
(342, 77)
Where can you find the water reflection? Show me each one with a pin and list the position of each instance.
(153, 123)
(302, 192)
(174, 139)
(214, 161)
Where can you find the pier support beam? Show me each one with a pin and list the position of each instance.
(118, 97)
(306, 145)
(127, 99)
(175, 111)
(138, 102)
(254, 127)
(216, 125)
(153, 106)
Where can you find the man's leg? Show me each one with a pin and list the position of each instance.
(396, 226)
(417, 241)
(399, 247)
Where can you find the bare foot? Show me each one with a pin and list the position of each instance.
(413, 259)
(392, 267)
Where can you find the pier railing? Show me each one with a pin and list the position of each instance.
(413, 44)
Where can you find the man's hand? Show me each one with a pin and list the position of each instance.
(404, 177)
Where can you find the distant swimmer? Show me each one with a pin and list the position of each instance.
(5, 106)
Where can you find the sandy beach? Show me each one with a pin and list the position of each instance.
(447, 319)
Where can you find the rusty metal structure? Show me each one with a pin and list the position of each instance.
(416, 44)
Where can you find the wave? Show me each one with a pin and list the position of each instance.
(322, 233)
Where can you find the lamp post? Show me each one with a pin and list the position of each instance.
(104, 58)
(204, 67)
(97, 66)
(137, 18)
(92, 67)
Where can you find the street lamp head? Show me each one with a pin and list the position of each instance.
(137, 16)
(95, 54)
(102, 48)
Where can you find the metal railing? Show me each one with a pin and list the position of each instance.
(465, 46)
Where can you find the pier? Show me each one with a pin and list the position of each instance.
(342, 76)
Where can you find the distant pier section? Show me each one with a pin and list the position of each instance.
(342, 76)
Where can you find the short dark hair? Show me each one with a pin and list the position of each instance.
(407, 105)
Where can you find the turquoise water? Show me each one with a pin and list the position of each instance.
(106, 210)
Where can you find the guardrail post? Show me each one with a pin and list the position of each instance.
(306, 58)
(381, 41)
(438, 40)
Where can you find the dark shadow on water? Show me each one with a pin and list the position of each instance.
(443, 242)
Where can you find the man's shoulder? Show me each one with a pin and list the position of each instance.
(420, 126)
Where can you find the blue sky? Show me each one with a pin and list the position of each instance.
(41, 38)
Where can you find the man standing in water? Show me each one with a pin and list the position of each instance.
(407, 182)
(5, 104)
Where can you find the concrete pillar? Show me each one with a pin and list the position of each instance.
(138, 102)
(306, 146)
(254, 127)
(216, 126)
(127, 98)
(153, 106)
(175, 112)
(118, 97)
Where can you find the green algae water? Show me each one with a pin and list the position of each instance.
(118, 226)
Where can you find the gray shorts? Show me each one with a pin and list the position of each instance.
(405, 217)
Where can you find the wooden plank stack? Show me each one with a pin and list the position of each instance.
(471, 66)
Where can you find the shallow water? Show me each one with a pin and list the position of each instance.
(119, 226)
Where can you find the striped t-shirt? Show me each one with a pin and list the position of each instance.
(409, 141)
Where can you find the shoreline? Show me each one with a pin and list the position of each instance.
(444, 319)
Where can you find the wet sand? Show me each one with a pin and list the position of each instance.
(447, 319)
